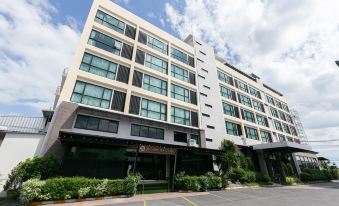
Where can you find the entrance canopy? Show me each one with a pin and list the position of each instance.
(285, 147)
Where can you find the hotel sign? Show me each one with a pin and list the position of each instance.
(157, 150)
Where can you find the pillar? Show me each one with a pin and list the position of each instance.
(280, 167)
(262, 162)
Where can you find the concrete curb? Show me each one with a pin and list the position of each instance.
(35, 203)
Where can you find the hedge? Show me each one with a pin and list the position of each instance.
(292, 180)
(317, 175)
(76, 187)
(197, 183)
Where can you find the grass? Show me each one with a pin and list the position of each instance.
(153, 188)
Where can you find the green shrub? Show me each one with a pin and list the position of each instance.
(261, 178)
(237, 174)
(305, 177)
(76, 187)
(214, 182)
(197, 183)
(292, 180)
(318, 175)
(246, 163)
(204, 183)
(249, 176)
(38, 167)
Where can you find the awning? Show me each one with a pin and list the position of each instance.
(72, 137)
(285, 147)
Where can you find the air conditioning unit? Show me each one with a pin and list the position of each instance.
(192, 143)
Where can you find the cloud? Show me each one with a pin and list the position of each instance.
(33, 52)
(290, 44)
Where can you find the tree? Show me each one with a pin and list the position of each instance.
(229, 159)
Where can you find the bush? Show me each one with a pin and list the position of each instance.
(246, 163)
(261, 178)
(305, 177)
(237, 174)
(249, 176)
(292, 180)
(76, 187)
(317, 175)
(197, 183)
(36, 168)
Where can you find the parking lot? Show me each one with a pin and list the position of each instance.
(321, 194)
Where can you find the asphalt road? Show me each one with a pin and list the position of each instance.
(321, 194)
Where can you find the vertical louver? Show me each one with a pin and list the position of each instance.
(233, 96)
(137, 79)
(193, 97)
(194, 119)
(191, 61)
(142, 38)
(134, 105)
(140, 57)
(130, 31)
(239, 129)
(231, 81)
(236, 111)
(123, 74)
(118, 102)
(192, 78)
(127, 51)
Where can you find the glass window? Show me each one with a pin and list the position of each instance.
(146, 131)
(282, 115)
(245, 100)
(278, 103)
(154, 85)
(99, 66)
(262, 120)
(225, 78)
(97, 124)
(179, 55)
(232, 128)
(293, 131)
(274, 112)
(252, 133)
(270, 99)
(92, 95)
(180, 116)
(255, 92)
(153, 109)
(156, 63)
(180, 137)
(285, 107)
(281, 138)
(110, 21)
(179, 73)
(230, 109)
(258, 105)
(278, 125)
(289, 118)
(265, 136)
(157, 44)
(248, 116)
(241, 85)
(226, 92)
(180, 93)
(105, 42)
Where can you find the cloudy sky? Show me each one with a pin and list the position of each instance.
(290, 44)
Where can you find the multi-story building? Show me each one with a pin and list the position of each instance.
(136, 98)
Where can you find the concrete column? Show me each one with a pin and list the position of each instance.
(269, 168)
(295, 163)
(280, 167)
(262, 163)
(168, 166)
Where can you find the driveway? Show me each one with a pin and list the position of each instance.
(321, 194)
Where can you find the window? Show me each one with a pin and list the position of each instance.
(289, 118)
(203, 53)
(241, 85)
(196, 137)
(258, 106)
(293, 131)
(208, 105)
(232, 128)
(281, 138)
(290, 139)
(252, 133)
(270, 99)
(180, 116)
(247, 115)
(92, 95)
(245, 100)
(210, 127)
(180, 93)
(179, 73)
(201, 76)
(255, 92)
(99, 66)
(153, 110)
(274, 112)
(179, 55)
(225, 78)
(262, 120)
(227, 93)
(97, 124)
(265, 136)
(157, 44)
(105, 42)
(110, 21)
(285, 107)
(180, 137)
(230, 110)
(204, 70)
(282, 115)
(205, 115)
(154, 85)
(207, 87)
(278, 103)
(203, 94)
(146, 131)
(156, 63)
(278, 125)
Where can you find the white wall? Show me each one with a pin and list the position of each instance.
(15, 148)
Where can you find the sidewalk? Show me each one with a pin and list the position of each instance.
(136, 198)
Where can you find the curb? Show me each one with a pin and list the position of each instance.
(35, 203)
